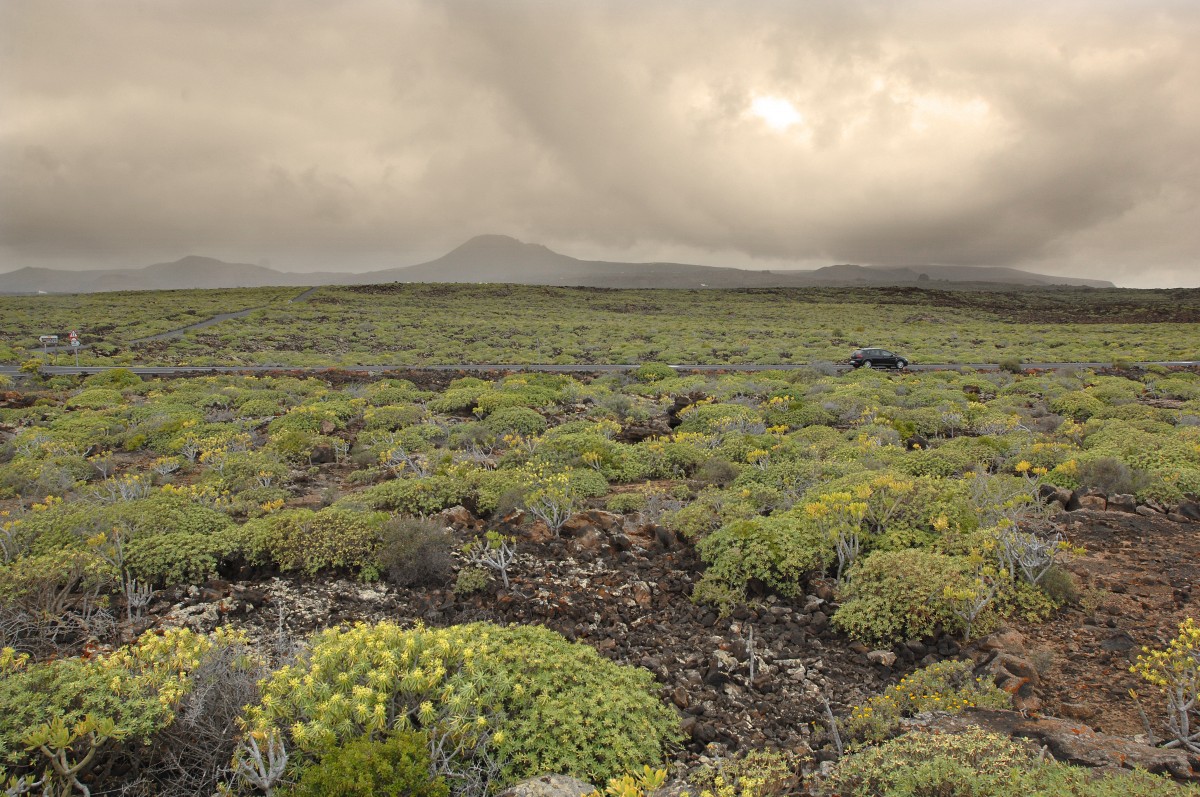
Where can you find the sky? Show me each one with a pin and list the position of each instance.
(1060, 136)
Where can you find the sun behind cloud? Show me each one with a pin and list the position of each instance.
(778, 113)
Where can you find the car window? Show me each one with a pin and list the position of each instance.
(885, 353)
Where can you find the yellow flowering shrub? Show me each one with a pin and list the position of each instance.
(522, 697)
(944, 686)
(1175, 670)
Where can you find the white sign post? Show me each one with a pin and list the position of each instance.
(74, 336)
(46, 340)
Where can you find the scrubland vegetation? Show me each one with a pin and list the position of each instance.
(916, 498)
(415, 324)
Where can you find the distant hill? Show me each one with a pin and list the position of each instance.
(499, 258)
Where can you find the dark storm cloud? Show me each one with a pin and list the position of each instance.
(347, 134)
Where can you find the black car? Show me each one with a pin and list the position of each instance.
(877, 358)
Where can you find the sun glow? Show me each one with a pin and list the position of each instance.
(778, 113)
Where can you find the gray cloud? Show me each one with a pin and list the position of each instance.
(364, 133)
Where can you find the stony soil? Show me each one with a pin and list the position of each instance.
(1139, 578)
(622, 589)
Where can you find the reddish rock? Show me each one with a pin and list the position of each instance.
(1049, 493)
(1087, 498)
(1122, 503)
(590, 540)
(457, 518)
(641, 593)
(608, 521)
(538, 531)
(576, 524)
(1008, 639)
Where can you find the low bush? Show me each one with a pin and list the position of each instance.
(396, 764)
(118, 378)
(780, 551)
(413, 496)
(471, 580)
(300, 539)
(515, 420)
(716, 471)
(653, 372)
(451, 682)
(415, 552)
(1110, 475)
(756, 773)
(621, 503)
(977, 763)
(945, 686)
(897, 595)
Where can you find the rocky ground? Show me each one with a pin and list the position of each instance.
(1139, 577)
(623, 587)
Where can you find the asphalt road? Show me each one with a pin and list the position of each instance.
(191, 370)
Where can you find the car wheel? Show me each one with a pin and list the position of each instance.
(902, 364)
(868, 364)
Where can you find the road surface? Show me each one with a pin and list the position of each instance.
(192, 370)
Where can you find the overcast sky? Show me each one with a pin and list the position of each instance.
(1056, 136)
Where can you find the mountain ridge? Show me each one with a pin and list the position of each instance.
(503, 259)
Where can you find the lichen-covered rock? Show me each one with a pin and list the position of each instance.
(549, 786)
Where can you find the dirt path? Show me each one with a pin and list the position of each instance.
(217, 319)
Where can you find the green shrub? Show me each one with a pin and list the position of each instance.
(397, 764)
(414, 496)
(781, 551)
(137, 687)
(118, 378)
(392, 391)
(1012, 365)
(653, 372)
(169, 537)
(716, 471)
(392, 417)
(515, 420)
(307, 419)
(897, 595)
(461, 399)
(754, 773)
(178, 557)
(95, 399)
(471, 580)
(300, 539)
(710, 418)
(259, 408)
(1078, 405)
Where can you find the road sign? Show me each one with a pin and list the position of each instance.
(45, 339)
(75, 342)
